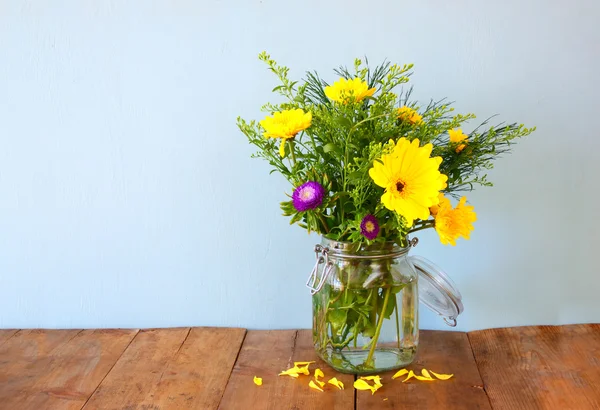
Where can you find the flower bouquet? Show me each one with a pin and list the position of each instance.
(368, 167)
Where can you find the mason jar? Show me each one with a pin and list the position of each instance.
(366, 301)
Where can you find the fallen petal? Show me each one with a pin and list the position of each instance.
(336, 383)
(362, 385)
(411, 374)
(442, 376)
(293, 372)
(319, 373)
(376, 379)
(424, 379)
(312, 385)
(425, 373)
(399, 373)
(296, 364)
(258, 381)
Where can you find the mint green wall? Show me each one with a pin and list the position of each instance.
(128, 198)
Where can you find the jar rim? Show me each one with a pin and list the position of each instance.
(353, 250)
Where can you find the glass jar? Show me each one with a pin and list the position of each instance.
(365, 304)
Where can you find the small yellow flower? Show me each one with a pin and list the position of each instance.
(444, 202)
(411, 179)
(343, 91)
(457, 136)
(258, 381)
(451, 224)
(409, 115)
(285, 125)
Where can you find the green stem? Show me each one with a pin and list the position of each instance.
(292, 152)
(379, 324)
(420, 228)
(323, 222)
(397, 325)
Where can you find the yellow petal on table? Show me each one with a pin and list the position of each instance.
(399, 373)
(424, 379)
(319, 373)
(411, 374)
(336, 383)
(442, 376)
(258, 381)
(312, 385)
(296, 364)
(289, 373)
(425, 373)
(362, 385)
(376, 379)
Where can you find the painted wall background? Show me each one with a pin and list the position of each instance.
(128, 198)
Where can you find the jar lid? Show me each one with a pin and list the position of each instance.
(437, 291)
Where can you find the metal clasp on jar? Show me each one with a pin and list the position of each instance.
(322, 255)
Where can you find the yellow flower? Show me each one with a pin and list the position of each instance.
(411, 179)
(343, 91)
(451, 224)
(444, 202)
(285, 125)
(458, 136)
(409, 115)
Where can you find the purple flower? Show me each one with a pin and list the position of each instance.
(369, 227)
(308, 196)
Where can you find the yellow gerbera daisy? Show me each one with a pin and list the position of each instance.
(451, 224)
(444, 203)
(409, 115)
(411, 179)
(285, 125)
(458, 136)
(343, 90)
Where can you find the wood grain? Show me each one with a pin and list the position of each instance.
(6, 334)
(442, 352)
(25, 359)
(542, 367)
(139, 369)
(171, 369)
(73, 372)
(265, 354)
(196, 377)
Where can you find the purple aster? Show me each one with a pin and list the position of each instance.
(369, 227)
(308, 196)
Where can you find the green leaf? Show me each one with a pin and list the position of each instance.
(329, 147)
(337, 318)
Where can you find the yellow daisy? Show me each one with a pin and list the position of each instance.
(409, 115)
(411, 179)
(444, 203)
(451, 224)
(285, 125)
(457, 136)
(343, 90)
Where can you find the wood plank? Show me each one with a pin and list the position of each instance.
(265, 354)
(6, 334)
(196, 377)
(139, 369)
(541, 367)
(24, 360)
(442, 352)
(74, 371)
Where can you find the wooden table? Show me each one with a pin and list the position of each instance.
(543, 367)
